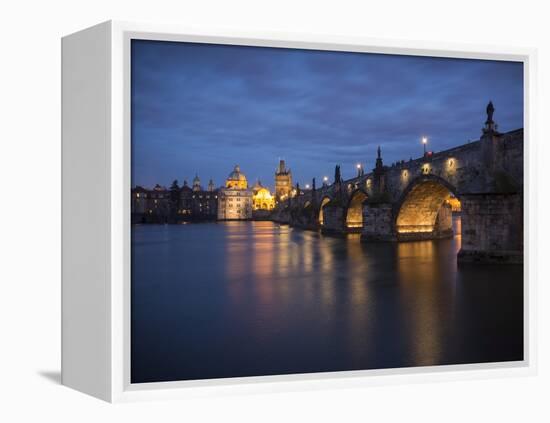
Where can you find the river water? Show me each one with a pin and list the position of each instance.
(238, 299)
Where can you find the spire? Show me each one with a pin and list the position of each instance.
(196, 183)
(313, 184)
(379, 163)
(281, 169)
(337, 176)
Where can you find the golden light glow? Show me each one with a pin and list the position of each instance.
(263, 200)
(415, 229)
(451, 165)
(325, 201)
(454, 203)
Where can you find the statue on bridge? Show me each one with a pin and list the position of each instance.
(379, 164)
(490, 125)
(490, 112)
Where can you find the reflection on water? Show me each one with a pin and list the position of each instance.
(256, 298)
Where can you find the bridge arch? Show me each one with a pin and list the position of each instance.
(354, 210)
(324, 201)
(422, 210)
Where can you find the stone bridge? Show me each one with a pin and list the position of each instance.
(411, 200)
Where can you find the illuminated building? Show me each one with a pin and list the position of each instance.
(235, 200)
(283, 182)
(262, 198)
(196, 203)
(150, 205)
(236, 179)
(174, 204)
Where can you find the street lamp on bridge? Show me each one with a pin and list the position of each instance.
(424, 142)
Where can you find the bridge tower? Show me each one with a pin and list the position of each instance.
(283, 182)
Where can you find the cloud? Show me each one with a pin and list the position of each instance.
(202, 108)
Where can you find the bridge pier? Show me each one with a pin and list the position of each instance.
(492, 228)
(333, 219)
(378, 222)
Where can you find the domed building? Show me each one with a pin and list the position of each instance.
(236, 179)
(235, 200)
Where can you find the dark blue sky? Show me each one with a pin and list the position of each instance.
(202, 108)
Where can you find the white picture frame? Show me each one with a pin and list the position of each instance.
(96, 213)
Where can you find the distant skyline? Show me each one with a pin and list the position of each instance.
(202, 108)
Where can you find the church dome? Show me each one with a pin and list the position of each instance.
(236, 175)
(236, 179)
